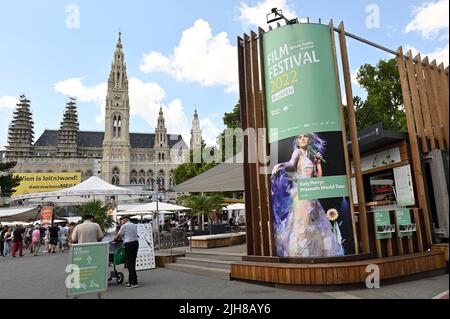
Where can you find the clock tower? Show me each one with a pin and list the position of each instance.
(116, 142)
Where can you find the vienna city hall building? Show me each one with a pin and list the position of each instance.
(116, 155)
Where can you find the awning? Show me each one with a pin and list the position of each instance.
(151, 207)
(18, 214)
(224, 177)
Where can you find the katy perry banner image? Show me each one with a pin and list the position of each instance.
(310, 203)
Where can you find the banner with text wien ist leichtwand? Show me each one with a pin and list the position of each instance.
(45, 182)
(310, 197)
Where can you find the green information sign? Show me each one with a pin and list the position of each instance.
(322, 187)
(382, 218)
(88, 266)
(301, 87)
(403, 218)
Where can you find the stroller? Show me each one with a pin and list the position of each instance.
(116, 257)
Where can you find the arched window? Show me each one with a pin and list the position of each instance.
(133, 177)
(149, 173)
(115, 176)
(170, 182)
(117, 123)
(150, 183)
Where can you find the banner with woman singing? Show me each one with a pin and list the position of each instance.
(310, 197)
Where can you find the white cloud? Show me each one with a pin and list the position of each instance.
(256, 15)
(430, 18)
(441, 55)
(199, 57)
(76, 88)
(209, 131)
(8, 102)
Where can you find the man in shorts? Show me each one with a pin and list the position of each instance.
(54, 237)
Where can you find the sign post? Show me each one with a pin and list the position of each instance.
(88, 265)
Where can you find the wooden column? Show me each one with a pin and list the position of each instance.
(416, 101)
(424, 101)
(418, 229)
(433, 100)
(267, 146)
(415, 155)
(257, 118)
(441, 106)
(247, 185)
(355, 143)
(443, 90)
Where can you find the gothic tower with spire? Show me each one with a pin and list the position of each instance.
(196, 132)
(20, 134)
(116, 142)
(68, 132)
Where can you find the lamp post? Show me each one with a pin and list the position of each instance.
(159, 180)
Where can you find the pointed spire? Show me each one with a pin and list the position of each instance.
(119, 41)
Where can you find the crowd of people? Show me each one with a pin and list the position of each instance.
(35, 238)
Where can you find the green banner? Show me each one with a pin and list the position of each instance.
(382, 218)
(322, 187)
(301, 87)
(89, 268)
(403, 217)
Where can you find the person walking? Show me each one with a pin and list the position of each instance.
(2, 239)
(63, 230)
(54, 238)
(35, 241)
(17, 244)
(128, 233)
(87, 232)
(7, 242)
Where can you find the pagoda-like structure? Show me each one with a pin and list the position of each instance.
(68, 131)
(20, 133)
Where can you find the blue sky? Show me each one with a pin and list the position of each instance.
(179, 54)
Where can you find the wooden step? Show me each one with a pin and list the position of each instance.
(202, 271)
(205, 262)
(214, 255)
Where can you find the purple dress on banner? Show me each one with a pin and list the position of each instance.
(302, 228)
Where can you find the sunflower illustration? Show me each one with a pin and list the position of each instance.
(332, 214)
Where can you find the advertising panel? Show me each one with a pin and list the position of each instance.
(45, 182)
(310, 197)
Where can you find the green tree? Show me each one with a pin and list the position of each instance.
(8, 182)
(97, 209)
(208, 205)
(189, 170)
(384, 102)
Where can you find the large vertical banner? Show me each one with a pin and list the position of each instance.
(310, 203)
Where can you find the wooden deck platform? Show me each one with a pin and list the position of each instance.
(351, 272)
(220, 240)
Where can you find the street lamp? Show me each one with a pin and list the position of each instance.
(159, 181)
(276, 15)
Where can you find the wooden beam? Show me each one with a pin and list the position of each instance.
(260, 178)
(418, 229)
(441, 106)
(443, 90)
(416, 101)
(355, 144)
(344, 139)
(434, 102)
(251, 147)
(415, 155)
(267, 148)
(425, 107)
(244, 124)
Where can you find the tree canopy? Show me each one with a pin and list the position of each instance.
(384, 102)
(8, 182)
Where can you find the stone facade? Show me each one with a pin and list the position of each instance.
(118, 156)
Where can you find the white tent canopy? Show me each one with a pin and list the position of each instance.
(18, 213)
(237, 206)
(92, 186)
(151, 207)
